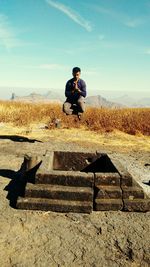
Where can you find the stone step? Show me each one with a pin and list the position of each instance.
(107, 192)
(59, 192)
(141, 205)
(108, 204)
(54, 205)
(126, 177)
(133, 192)
(67, 178)
(109, 179)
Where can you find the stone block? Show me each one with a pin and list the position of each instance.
(54, 205)
(67, 178)
(47, 162)
(108, 192)
(107, 179)
(140, 205)
(59, 192)
(126, 177)
(132, 192)
(108, 204)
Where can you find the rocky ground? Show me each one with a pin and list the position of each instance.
(34, 238)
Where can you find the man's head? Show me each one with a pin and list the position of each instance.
(76, 72)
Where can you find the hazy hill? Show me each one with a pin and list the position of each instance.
(144, 102)
(99, 101)
(124, 100)
(122, 97)
(132, 101)
(50, 96)
(54, 95)
(94, 100)
(34, 97)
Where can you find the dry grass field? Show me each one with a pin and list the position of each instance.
(133, 121)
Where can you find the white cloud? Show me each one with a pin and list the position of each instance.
(61, 67)
(91, 72)
(73, 15)
(8, 37)
(131, 22)
(50, 66)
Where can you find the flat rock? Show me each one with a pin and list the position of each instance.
(108, 204)
(59, 192)
(108, 192)
(54, 205)
(69, 178)
(107, 179)
(141, 205)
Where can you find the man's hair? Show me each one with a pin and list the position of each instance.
(76, 69)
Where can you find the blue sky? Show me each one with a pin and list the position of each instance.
(42, 40)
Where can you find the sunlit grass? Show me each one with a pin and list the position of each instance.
(129, 120)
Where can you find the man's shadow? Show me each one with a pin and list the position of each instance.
(19, 179)
(18, 138)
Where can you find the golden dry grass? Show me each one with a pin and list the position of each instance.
(129, 120)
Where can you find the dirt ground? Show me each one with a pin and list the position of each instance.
(34, 238)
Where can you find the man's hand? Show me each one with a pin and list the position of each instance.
(76, 89)
(75, 84)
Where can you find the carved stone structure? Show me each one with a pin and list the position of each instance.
(80, 182)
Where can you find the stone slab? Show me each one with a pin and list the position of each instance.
(67, 178)
(139, 205)
(132, 192)
(47, 162)
(108, 204)
(59, 192)
(31, 161)
(54, 205)
(108, 192)
(126, 177)
(107, 179)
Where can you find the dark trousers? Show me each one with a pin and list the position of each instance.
(68, 107)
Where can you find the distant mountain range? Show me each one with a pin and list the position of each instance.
(131, 102)
(50, 96)
(99, 101)
(95, 100)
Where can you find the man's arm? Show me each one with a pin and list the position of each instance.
(83, 89)
(68, 89)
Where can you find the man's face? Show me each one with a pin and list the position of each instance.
(76, 75)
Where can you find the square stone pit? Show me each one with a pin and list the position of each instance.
(81, 182)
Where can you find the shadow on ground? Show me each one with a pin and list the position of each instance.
(16, 187)
(17, 138)
(146, 182)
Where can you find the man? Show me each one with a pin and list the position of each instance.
(75, 92)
